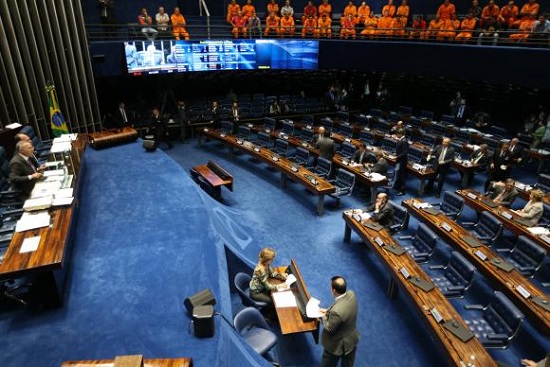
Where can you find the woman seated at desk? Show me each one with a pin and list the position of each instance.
(532, 211)
(260, 286)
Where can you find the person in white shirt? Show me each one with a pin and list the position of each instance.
(162, 19)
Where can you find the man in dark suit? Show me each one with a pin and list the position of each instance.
(381, 211)
(326, 146)
(340, 335)
(122, 115)
(500, 167)
(402, 153)
(161, 130)
(504, 193)
(462, 113)
(516, 151)
(380, 165)
(23, 171)
(182, 120)
(441, 159)
(215, 113)
(361, 156)
(481, 158)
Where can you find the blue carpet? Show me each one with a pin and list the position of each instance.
(147, 238)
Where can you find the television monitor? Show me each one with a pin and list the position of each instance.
(171, 56)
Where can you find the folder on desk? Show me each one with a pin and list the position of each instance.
(431, 211)
(542, 302)
(458, 330)
(373, 226)
(422, 283)
(396, 249)
(499, 263)
(472, 242)
(489, 203)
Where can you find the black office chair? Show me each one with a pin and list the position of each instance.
(346, 130)
(487, 229)
(451, 205)
(269, 124)
(302, 157)
(422, 244)
(526, 256)
(347, 150)
(287, 127)
(281, 147)
(323, 167)
(264, 139)
(498, 324)
(226, 127)
(327, 123)
(17, 289)
(344, 183)
(456, 278)
(401, 218)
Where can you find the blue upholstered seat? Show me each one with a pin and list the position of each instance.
(457, 276)
(422, 244)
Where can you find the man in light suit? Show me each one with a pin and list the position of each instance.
(340, 335)
(532, 211)
(23, 171)
(441, 159)
(326, 146)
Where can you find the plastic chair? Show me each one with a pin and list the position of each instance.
(252, 327)
(242, 283)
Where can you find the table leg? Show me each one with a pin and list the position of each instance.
(199, 138)
(320, 204)
(421, 187)
(49, 294)
(231, 152)
(347, 233)
(540, 166)
(466, 178)
(284, 180)
(392, 289)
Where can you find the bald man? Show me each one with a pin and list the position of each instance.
(441, 159)
(23, 171)
(381, 211)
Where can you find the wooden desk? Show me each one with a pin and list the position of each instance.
(110, 138)
(507, 282)
(457, 351)
(316, 185)
(215, 176)
(291, 320)
(510, 224)
(50, 262)
(151, 362)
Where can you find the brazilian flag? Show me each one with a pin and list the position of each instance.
(58, 124)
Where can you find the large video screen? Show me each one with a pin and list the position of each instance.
(171, 56)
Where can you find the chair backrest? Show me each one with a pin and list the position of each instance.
(460, 271)
(401, 217)
(281, 147)
(437, 128)
(427, 114)
(497, 130)
(415, 121)
(269, 123)
(415, 155)
(428, 140)
(347, 150)
(545, 219)
(242, 283)
(490, 225)
(404, 110)
(244, 132)
(452, 204)
(394, 117)
(492, 143)
(425, 239)
(323, 167)
(247, 318)
(28, 130)
(226, 127)
(389, 145)
(375, 112)
(503, 316)
(264, 138)
(346, 130)
(463, 136)
(327, 123)
(366, 136)
(307, 134)
(342, 116)
(528, 254)
(448, 118)
(287, 127)
(383, 125)
(344, 179)
(301, 155)
(543, 182)
(363, 120)
(308, 120)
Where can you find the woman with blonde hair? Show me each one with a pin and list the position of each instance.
(260, 287)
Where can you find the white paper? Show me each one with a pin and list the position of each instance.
(64, 193)
(60, 146)
(290, 280)
(40, 203)
(312, 308)
(53, 172)
(29, 244)
(284, 299)
(62, 201)
(14, 125)
(33, 220)
(365, 216)
(538, 230)
(377, 177)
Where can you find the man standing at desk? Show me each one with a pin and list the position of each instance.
(23, 173)
(340, 335)
(442, 157)
(326, 146)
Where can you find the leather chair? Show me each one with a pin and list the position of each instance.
(415, 155)
(400, 218)
(323, 167)
(387, 188)
(362, 120)
(450, 119)
(347, 150)
(344, 183)
(451, 205)
(307, 134)
(427, 114)
(367, 137)
(543, 182)
(327, 123)
(456, 278)
(498, 323)
(428, 140)
(42, 148)
(281, 147)
(244, 132)
(252, 327)
(242, 282)
(342, 116)
(226, 127)
(264, 139)
(404, 111)
(545, 219)
(487, 229)
(301, 156)
(346, 130)
(526, 256)
(269, 123)
(422, 244)
(389, 145)
(287, 127)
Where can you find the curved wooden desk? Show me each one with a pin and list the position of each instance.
(152, 362)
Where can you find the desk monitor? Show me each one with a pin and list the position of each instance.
(299, 288)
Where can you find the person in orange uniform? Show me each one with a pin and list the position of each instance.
(371, 23)
(324, 24)
(239, 25)
(232, 10)
(178, 25)
(390, 8)
(529, 9)
(248, 9)
(286, 26)
(446, 10)
(363, 12)
(524, 30)
(508, 15)
(325, 8)
(310, 10)
(467, 27)
(271, 24)
(273, 7)
(403, 10)
(348, 27)
(384, 24)
(309, 27)
(398, 26)
(448, 31)
(489, 11)
(350, 9)
(418, 28)
(434, 27)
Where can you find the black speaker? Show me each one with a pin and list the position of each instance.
(203, 321)
(204, 297)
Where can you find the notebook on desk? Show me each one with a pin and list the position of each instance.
(431, 211)
(422, 283)
(458, 330)
(373, 226)
(472, 242)
(499, 263)
(395, 249)
(542, 302)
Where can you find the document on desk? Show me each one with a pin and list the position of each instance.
(538, 231)
(32, 220)
(312, 308)
(62, 201)
(40, 203)
(284, 299)
(45, 188)
(377, 177)
(30, 244)
(54, 172)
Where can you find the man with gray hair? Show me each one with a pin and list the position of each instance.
(23, 171)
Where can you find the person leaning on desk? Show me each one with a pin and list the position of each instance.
(381, 211)
(504, 193)
(24, 172)
(532, 211)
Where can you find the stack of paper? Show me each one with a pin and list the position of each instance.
(312, 308)
(63, 197)
(376, 177)
(32, 220)
(39, 203)
(284, 299)
(30, 244)
(54, 172)
(45, 188)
